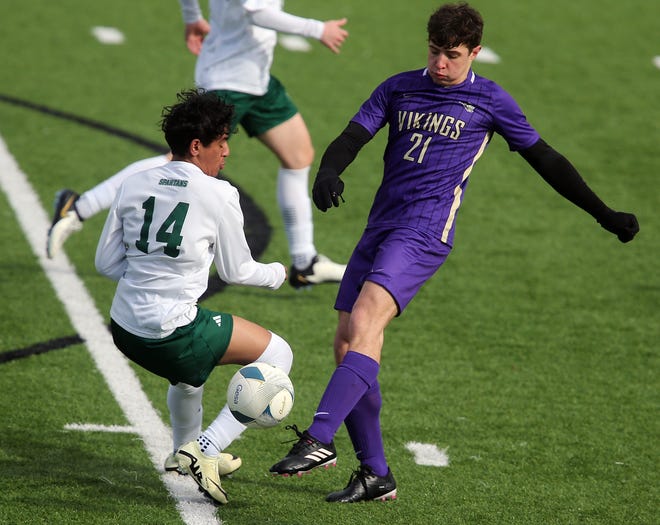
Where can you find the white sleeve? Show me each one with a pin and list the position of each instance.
(233, 259)
(110, 257)
(190, 11)
(100, 197)
(282, 22)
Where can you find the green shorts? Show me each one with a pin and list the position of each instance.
(188, 355)
(257, 114)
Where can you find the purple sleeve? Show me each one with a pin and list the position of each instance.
(372, 115)
(510, 122)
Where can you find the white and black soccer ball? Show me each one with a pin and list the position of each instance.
(260, 395)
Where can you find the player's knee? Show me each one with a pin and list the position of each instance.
(278, 353)
(298, 157)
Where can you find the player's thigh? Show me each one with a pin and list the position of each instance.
(248, 341)
(374, 309)
(188, 355)
(360, 264)
(260, 113)
(404, 261)
(290, 141)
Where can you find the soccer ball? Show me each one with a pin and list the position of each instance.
(260, 395)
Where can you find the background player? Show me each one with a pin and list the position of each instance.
(441, 119)
(235, 61)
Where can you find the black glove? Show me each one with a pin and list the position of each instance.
(623, 225)
(327, 190)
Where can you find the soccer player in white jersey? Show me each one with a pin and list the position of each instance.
(235, 61)
(165, 228)
(440, 120)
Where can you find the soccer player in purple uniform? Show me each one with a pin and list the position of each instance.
(441, 119)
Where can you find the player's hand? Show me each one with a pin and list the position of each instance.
(327, 190)
(623, 225)
(195, 34)
(334, 34)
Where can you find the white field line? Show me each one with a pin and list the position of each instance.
(90, 427)
(90, 325)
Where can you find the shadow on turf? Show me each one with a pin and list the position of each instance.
(59, 471)
(241, 489)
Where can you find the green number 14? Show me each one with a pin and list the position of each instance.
(169, 232)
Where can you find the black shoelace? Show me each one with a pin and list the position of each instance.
(303, 441)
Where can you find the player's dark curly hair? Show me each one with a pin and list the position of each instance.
(198, 114)
(454, 24)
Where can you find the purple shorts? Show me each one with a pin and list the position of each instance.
(401, 260)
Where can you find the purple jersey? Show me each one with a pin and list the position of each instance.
(436, 134)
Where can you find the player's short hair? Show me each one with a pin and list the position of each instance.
(454, 24)
(198, 114)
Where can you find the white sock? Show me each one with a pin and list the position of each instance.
(185, 404)
(296, 209)
(100, 197)
(225, 428)
(222, 431)
(277, 353)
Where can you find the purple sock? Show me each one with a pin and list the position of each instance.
(350, 380)
(363, 425)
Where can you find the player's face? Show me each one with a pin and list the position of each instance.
(449, 67)
(211, 158)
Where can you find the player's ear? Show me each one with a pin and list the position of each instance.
(194, 148)
(475, 52)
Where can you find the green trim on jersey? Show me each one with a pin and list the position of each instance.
(258, 114)
(188, 355)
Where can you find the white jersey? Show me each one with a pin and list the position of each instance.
(237, 54)
(165, 228)
(100, 197)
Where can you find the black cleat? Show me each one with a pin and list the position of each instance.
(364, 485)
(307, 454)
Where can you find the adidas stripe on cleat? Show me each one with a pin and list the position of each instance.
(308, 453)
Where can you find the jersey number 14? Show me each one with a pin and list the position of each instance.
(169, 232)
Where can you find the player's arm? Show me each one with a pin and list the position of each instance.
(110, 259)
(233, 259)
(330, 33)
(196, 26)
(557, 171)
(328, 187)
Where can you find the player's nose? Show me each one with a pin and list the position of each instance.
(441, 61)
